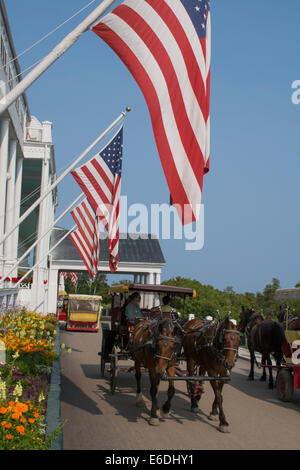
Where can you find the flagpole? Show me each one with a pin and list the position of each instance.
(63, 175)
(43, 235)
(55, 54)
(42, 259)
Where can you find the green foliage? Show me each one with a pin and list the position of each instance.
(85, 286)
(209, 300)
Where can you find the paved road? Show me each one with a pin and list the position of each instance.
(97, 420)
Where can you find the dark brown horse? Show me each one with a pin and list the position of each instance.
(264, 336)
(155, 346)
(214, 349)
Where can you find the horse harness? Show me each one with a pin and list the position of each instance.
(211, 347)
(155, 336)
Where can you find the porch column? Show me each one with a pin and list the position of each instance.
(151, 296)
(10, 207)
(52, 290)
(18, 193)
(4, 142)
(39, 274)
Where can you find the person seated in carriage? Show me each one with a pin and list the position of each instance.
(132, 309)
(166, 307)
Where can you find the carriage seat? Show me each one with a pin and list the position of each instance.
(294, 324)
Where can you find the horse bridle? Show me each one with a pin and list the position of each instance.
(233, 332)
(174, 339)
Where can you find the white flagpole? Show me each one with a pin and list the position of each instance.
(55, 54)
(42, 259)
(43, 235)
(62, 176)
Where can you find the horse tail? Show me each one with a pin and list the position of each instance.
(279, 339)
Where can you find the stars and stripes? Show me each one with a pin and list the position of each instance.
(100, 180)
(74, 278)
(64, 275)
(86, 237)
(166, 46)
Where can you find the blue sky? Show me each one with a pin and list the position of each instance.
(251, 194)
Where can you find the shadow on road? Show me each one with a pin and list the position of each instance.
(123, 400)
(73, 395)
(260, 390)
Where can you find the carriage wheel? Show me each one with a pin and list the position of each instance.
(113, 369)
(284, 385)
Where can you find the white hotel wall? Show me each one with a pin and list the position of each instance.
(21, 137)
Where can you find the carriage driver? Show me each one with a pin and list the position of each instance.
(132, 310)
(166, 307)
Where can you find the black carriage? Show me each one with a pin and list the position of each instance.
(117, 341)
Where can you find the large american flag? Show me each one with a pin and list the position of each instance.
(100, 180)
(86, 237)
(166, 46)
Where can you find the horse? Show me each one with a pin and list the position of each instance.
(214, 348)
(156, 344)
(265, 336)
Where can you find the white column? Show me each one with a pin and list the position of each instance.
(38, 276)
(52, 290)
(135, 278)
(151, 296)
(18, 195)
(4, 141)
(10, 204)
(157, 278)
(61, 285)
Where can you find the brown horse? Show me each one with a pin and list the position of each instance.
(155, 346)
(214, 348)
(264, 336)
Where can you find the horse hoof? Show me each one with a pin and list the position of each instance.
(154, 421)
(139, 400)
(271, 386)
(262, 379)
(195, 409)
(213, 417)
(250, 378)
(224, 429)
(163, 414)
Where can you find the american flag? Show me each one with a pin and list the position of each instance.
(166, 46)
(74, 278)
(86, 237)
(64, 274)
(100, 180)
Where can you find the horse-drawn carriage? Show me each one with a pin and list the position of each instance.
(288, 376)
(117, 341)
(160, 340)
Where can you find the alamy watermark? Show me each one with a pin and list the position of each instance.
(159, 220)
(296, 93)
